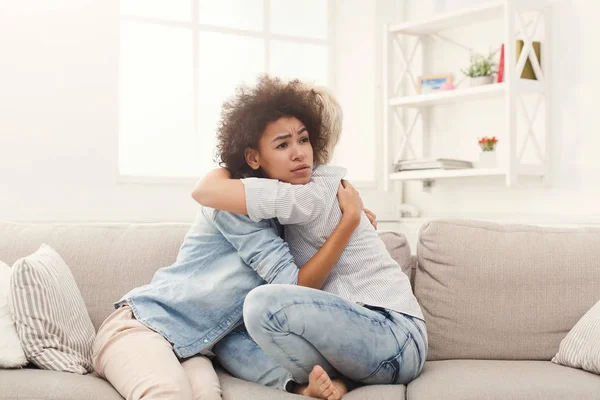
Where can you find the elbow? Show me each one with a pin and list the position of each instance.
(200, 196)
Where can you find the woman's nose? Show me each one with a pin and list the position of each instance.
(299, 153)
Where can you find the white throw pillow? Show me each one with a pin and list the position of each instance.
(581, 347)
(11, 352)
(51, 318)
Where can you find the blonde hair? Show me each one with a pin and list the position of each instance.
(332, 117)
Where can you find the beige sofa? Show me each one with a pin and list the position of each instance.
(497, 300)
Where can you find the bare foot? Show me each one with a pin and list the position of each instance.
(322, 387)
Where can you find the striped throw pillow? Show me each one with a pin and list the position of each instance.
(51, 318)
(581, 347)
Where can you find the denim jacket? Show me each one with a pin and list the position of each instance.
(199, 299)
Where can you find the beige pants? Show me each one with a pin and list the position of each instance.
(141, 364)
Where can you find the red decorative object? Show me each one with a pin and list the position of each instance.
(487, 143)
(501, 65)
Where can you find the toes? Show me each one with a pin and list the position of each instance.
(323, 380)
(335, 393)
(327, 392)
(320, 375)
(327, 387)
(333, 396)
(332, 392)
(317, 371)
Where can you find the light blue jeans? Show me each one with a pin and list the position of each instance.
(300, 327)
(239, 354)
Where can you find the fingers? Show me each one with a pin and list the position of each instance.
(370, 213)
(371, 220)
(371, 216)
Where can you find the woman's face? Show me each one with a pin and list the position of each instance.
(284, 152)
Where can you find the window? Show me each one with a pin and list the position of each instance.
(181, 59)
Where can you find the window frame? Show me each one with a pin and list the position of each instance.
(196, 27)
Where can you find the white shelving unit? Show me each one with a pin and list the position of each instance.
(512, 89)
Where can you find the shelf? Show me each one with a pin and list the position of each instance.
(460, 173)
(467, 94)
(450, 20)
(449, 96)
(445, 173)
(504, 97)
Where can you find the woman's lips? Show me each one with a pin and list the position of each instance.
(302, 171)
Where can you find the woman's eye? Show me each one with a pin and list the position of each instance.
(282, 146)
(304, 140)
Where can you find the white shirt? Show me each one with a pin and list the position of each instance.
(365, 273)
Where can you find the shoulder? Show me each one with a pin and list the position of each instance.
(329, 172)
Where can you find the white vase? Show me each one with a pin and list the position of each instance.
(487, 159)
(481, 80)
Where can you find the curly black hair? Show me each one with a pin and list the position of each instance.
(245, 116)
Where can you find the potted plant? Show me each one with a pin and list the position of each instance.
(481, 69)
(487, 157)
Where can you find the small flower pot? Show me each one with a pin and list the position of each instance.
(487, 159)
(481, 80)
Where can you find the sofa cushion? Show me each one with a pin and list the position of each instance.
(234, 388)
(494, 379)
(398, 247)
(107, 260)
(52, 385)
(509, 292)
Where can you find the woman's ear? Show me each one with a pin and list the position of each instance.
(252, 158)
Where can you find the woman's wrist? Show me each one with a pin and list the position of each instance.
(351, 218)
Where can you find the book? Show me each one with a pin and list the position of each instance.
(432, 163)
(430, 166)
(430, 160)
(501, 65)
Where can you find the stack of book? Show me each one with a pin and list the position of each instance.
(431, 163)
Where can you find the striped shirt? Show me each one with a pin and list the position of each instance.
(365, 273)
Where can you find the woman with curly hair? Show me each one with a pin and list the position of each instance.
(364, 325)
(156, 344)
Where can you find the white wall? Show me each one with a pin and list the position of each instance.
(59, 113)
(59, 122)
(58, 118)
(575, 193)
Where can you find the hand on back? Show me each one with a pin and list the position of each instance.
(351, 204)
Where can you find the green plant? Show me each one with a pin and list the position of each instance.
(481, 65)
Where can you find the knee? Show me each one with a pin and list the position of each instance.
(203, 378)
(255, 306)
(263, 308)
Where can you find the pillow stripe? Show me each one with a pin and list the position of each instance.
(78, 321)
(66, 355)
(77, 318)
(51, 318)
(581, 347)
(40, 291)
(59, 331)
(53, 332)
(22, 320)
(33, 286)
(76, 339)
